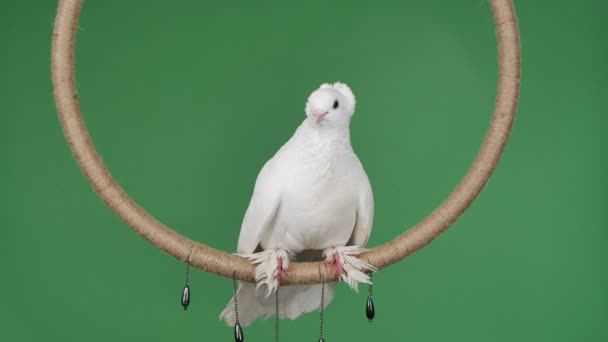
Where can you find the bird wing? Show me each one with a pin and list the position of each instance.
(365, 216)
(261, 211)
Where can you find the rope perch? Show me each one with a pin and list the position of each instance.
(229, 265)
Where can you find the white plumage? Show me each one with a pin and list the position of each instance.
(313, 194)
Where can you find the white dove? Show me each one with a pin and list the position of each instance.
(312, 195)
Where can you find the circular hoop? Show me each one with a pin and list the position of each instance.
(229, 265)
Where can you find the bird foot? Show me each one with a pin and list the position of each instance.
(271, 265)
(349, 268)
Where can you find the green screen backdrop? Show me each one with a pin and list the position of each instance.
(186, 100)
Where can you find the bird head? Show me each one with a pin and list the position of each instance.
(332, 105)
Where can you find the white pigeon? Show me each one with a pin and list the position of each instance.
(312, 195)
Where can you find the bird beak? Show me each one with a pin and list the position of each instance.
(318, 117)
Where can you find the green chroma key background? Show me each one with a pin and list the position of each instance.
(186, 101)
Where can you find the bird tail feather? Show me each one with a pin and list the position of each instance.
(293, 302)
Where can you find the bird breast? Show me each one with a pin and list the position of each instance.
(319, 200)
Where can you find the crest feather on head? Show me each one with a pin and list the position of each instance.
(343, 89)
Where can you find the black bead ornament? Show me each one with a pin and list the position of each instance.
(370, 311)
(238, 331)
(186, 290)
(186, 297)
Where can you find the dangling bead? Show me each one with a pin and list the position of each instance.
(186, 297)
(186, 290)
(369, 309)
(238, 333)
(321, 339)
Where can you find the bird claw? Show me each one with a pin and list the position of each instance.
(349, 268)
(271, 265)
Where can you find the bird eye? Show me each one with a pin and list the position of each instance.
(336, 104)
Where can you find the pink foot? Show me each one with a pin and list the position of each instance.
(270, 266)
(336, 264)
(350, 269)
(280, 271)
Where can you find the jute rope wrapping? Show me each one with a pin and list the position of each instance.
(229, 265)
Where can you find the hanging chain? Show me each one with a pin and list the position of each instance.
(238, 330)
(370, 284)
(276, 313)
(236, 305)
(187, 272)
(322, 312)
